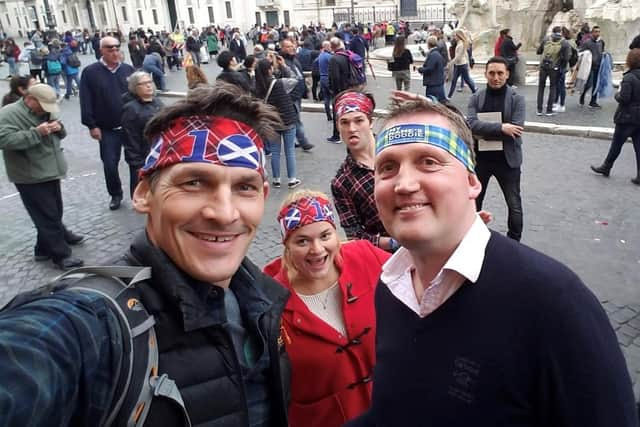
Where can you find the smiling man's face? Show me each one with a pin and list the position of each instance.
(203, 216)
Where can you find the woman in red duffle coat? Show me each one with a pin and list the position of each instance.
(328, 325)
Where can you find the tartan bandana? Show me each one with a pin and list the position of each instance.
(304, 211)
(350, 102)
(433, 135)
(206, 139)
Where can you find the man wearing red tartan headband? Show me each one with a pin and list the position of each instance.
(352, 187)
(203, 189)
(216, 316)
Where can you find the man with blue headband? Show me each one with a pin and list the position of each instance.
(473, 328)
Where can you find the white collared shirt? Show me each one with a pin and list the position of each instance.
(113, 70)
(464, 264)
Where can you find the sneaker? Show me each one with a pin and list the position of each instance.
(276, 183)
(538, 113)
(308, 147)
(561, 109)
(550, 113)
(334, 139)
(555, 107)
(294, 183)
(594, 105)
(459, 90)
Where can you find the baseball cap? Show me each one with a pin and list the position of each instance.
(46, 96)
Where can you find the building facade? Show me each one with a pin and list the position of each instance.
(17, 17)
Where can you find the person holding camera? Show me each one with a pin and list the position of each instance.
(400, 67)
(30, 135)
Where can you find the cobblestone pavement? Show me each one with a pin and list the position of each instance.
(588, 222)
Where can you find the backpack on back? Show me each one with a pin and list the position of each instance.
(36, 57)
(136, 382)
(54, 66)
(551, 54)
(73, 61)
(357, 76)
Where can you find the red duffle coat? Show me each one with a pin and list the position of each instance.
(331, 373)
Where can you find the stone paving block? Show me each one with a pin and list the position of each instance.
(623, 315)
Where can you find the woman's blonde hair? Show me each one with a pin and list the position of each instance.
(288, 265)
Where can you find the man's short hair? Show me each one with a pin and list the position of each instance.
(432, 41)
(134, 79)
(557, 29)
(425, 105)
(222, 100)
(497, 60)
(595, 27)
(224, 59)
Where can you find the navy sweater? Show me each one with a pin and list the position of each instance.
(526, 345)
(101, 95)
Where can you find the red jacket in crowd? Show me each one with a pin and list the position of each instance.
(331, 373)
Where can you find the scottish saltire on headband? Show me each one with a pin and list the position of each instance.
(428, 134)
(304, 211)
(206, 139)
(350, 102)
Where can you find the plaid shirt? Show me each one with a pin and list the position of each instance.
(60, 355)
(352, 190)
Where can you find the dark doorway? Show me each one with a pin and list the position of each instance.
(272, 18)
(173, 15)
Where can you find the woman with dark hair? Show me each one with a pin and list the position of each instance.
(401, 64)
(11, 53)
(509, 51)
(626, 117)
(275, 92)
(18, 85)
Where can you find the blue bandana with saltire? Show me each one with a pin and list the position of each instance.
(410, 133)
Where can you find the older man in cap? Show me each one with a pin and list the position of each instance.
(217, 316)
(30, 135)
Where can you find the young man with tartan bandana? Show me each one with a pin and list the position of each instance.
(217, 316)
(352, 187)
(473, 328)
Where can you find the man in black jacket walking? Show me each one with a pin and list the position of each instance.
(102, 86)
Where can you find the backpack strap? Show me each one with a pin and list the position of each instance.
(137, 382)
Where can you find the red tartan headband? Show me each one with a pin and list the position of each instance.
(206, 139)
(350, 102)
(304, 211)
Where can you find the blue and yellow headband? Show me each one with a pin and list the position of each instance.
(410, 133)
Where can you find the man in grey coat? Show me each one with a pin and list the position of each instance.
(498, 139)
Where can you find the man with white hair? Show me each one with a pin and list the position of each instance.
(101, 88)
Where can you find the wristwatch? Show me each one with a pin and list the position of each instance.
(393, 244)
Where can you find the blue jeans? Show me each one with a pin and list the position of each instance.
(13, 66)
(620, 135)
(110, 152)
(561, 89)
(461, 71)
(53, 80)
(288, 137)
(158, 75)
(300, 135)
(70, 79)
(494, 164)
(326, 97)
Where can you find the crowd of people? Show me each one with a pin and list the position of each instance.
(412, 315)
